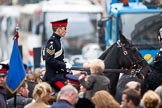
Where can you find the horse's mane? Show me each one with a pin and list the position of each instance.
(110, 57)
(104, 54)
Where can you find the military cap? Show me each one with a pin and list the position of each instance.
(72, 79)
(3, 69)
(60, 23)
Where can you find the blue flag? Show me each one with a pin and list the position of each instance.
(16, 73)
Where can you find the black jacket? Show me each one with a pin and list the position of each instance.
(54, 60)
(94, 83)
(62, 104)
(3, 97)
(20, 102)
(31, 86)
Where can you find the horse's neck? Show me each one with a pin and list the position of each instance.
(157, 66)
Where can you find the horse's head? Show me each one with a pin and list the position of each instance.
(122, 55)
(130, 58)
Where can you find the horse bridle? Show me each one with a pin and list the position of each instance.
(135, 66)
(125, 52)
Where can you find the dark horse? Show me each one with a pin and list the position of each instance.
(122, 55)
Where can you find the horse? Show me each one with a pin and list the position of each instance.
(122, 55)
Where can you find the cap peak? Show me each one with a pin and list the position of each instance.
(60, 23)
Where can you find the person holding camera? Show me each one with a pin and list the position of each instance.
(96, 80)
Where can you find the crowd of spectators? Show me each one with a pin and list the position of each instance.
(91, 91)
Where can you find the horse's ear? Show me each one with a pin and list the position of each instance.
(123, 39)
(121, 36)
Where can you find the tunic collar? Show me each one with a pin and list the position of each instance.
(56, 35)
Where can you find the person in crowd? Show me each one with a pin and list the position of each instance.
(42, 71)
(3, 94)
(30, 77)
(31, 83)
(84, 103)
(86, 65)
(41, 95)
(21, 97)
(67, 97)
(53, 55)
(27, 69)
(37, 75)
(130, 98)
(96, 80)
(82, 91)
(158, 90)
(134, 85)
(150, 100)
(103, 99)
(85, 69)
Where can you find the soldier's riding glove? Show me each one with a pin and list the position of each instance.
(68, 65)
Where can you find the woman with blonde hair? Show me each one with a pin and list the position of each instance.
(41, 95)
(103, 99)
(150, 100)
(96, 80)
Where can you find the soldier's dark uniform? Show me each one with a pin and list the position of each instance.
(3, 97)
(155, 77)
(54, 59)
(3, 94)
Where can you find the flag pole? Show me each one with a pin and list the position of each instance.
(16, 36)
(15, 100)
(18, 70)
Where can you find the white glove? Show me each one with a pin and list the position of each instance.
(68, 65)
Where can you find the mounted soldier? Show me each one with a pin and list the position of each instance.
(53, 55)
(155, 78)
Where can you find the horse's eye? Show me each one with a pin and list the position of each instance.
(134, 49)
(128, 47)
